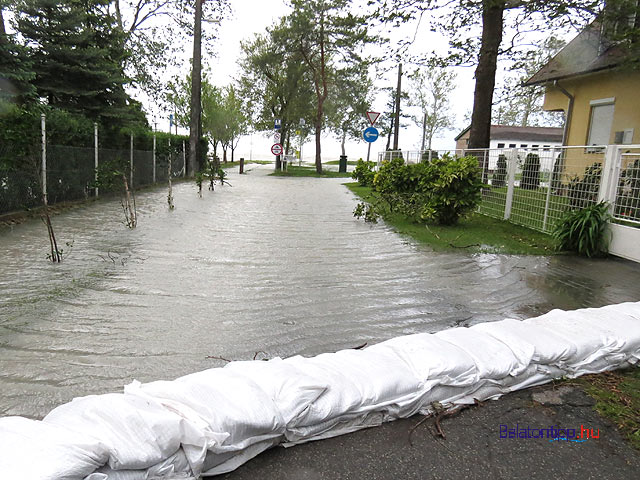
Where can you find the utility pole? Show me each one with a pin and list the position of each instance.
(396, 127)
(196, 85)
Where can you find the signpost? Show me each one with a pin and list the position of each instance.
(276, 149)
(371, 134)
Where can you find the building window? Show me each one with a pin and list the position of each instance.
(523, 145)
(546, 148)
(600, 121)
(501, 145)
(512, 145)
(535, 147)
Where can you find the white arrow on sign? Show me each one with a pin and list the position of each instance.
(373, 116)
(370, 134)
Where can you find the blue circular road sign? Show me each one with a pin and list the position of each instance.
(370, 134)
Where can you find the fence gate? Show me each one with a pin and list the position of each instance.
(621, 188)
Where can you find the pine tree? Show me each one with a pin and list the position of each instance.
(16, 72)
(76, 55)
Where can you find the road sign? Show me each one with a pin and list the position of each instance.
(277, 124)
(276, 137)
(370, 134)
(373, 116)
(276, 149)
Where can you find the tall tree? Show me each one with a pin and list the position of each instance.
(16, 72)
(460, 20)
(349, 100)
(275, 82)
(76, 56)
(431, 91)
(195, 121)
(329, 37)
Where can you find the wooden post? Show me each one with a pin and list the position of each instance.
(131, 163)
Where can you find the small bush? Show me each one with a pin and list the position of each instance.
(364, 173)
(500, 175)
(441, 191)
(531, 172)
(583, 191)
(584, 231)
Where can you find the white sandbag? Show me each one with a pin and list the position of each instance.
(175, 467)
(33, 450)
(290, 388)
(432, 359)
(213, 466)
(548, 347)
(592, 342)
(493, 358)
(520, 346)
(137, 432)
(359, 381)
(231, 404)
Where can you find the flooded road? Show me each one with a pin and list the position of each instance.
(276, 265)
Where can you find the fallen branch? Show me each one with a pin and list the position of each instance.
(218, 358)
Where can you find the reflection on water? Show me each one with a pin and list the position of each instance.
(271, 264)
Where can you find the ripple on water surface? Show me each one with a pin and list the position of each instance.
(271, 264)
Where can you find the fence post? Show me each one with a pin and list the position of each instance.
(131, 163)
(154, 158)
(548, 199)
(184, 159)
(43, 128)
(610, 174)
(95, 155)
(511, 174)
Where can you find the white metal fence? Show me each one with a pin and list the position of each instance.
(535, 186)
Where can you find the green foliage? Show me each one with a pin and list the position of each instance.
(531, 172)
(441, 191)
(500, 175)
(584, 231)
(583, 191)
(364, 173)
(556, 174)
(367, 212)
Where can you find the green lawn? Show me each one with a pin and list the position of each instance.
(337, 162)
(617, 396)
(477, 233)
(527, 208)
(293, 171)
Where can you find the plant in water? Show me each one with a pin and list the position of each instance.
(367, 212)
(584, 231)
(199, 180)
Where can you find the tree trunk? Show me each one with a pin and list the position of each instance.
(344, 139)
(3, 32)
(196, 84)
(492, 23)
(224, 153)
(321, 97)
(396, 128)
(424, 131)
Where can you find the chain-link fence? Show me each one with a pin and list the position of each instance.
(78, 172)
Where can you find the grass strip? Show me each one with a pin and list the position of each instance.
(617, 396)
(476, 233)
(293, 171)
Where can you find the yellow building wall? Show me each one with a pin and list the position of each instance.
(623, 86)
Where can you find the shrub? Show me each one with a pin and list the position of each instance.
(364, 173)
(584, 231)
(441, 191)
(531, 172)
(453, 189)
(500, 175)
(556, 175)
(583, 191)
(628, 200)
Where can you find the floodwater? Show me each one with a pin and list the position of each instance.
(272, 265)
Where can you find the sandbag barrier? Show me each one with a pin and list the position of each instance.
(211, 422)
